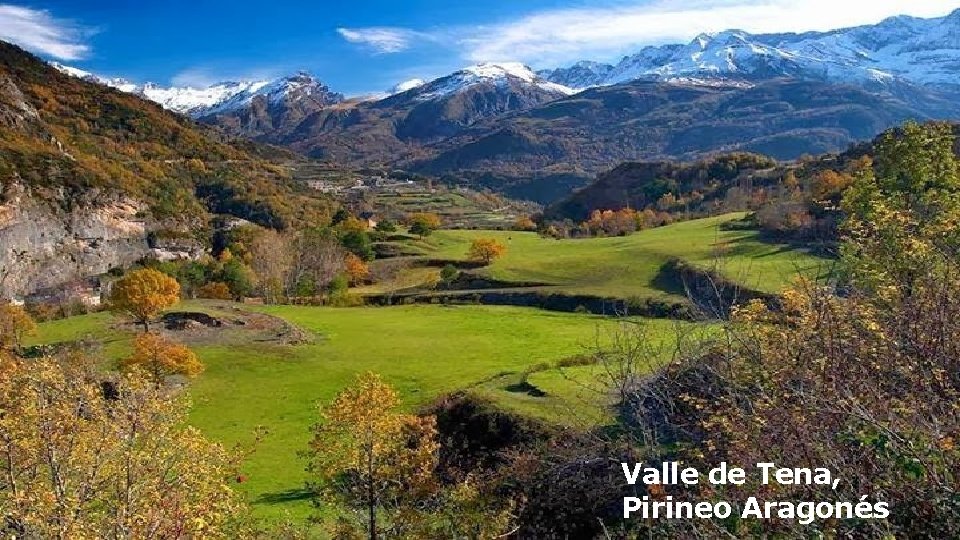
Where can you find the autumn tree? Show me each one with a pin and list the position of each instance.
(356, 269)
(828, 184)
(371, 458)
(15, 324)
(160, 358)
(423, 224)
(524, 223)
(486, 250)
(143, 294)
(613, 223)
(77, 461)
(215, 290)
(902, 215)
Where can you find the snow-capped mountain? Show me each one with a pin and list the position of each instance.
(221, 97)
(497, 74)
(271, 108)
(423, 113)
(198, 101)
(583, 74)
(295, 88)
(916, 51)
(184, 99)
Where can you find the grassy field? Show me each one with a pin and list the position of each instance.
(507, 354)
(424, 351)
(631, 265)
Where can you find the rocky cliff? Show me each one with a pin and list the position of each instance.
(42, 246)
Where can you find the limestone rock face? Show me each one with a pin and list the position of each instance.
(42, 246)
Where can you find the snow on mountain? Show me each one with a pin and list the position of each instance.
(120, 84)
(217, 98)
(197, 101)
(186, 100)
(583, 74)
(897, 52)
(402, 87)
(501, 74)
(907, 49)
(295, 88)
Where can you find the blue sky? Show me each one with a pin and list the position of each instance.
(367, 46)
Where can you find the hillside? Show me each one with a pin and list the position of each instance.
(87, 173)
(702, 185)
(528, 143)
(648, 266)
(795, 201)
(644, 120)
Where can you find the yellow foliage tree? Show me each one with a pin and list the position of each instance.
(486, 250)
(15, 324)
(143, 294)
(161, 357)
(376, 460)
(80, 462)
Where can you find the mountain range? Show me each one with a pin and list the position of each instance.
(901, 50)
(538, 134)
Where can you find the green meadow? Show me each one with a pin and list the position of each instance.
(631, 266)
(424, 351)
(510, 355)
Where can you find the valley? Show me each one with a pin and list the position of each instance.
(271, 308)
(516, 357)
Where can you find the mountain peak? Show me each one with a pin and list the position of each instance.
(493, 70)
(895, 51)
(301, 76)
(502, 74)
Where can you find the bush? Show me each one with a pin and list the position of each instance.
(215, 290)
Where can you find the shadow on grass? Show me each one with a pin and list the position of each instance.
(669, 280)
(523, 387)
(290, 495)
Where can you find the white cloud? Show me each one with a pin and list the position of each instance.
(559, 35)
(381, 39)
(40, 32)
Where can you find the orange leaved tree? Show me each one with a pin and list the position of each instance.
(486, 250)
(357, 270)
(143, 294)
(160, 357)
